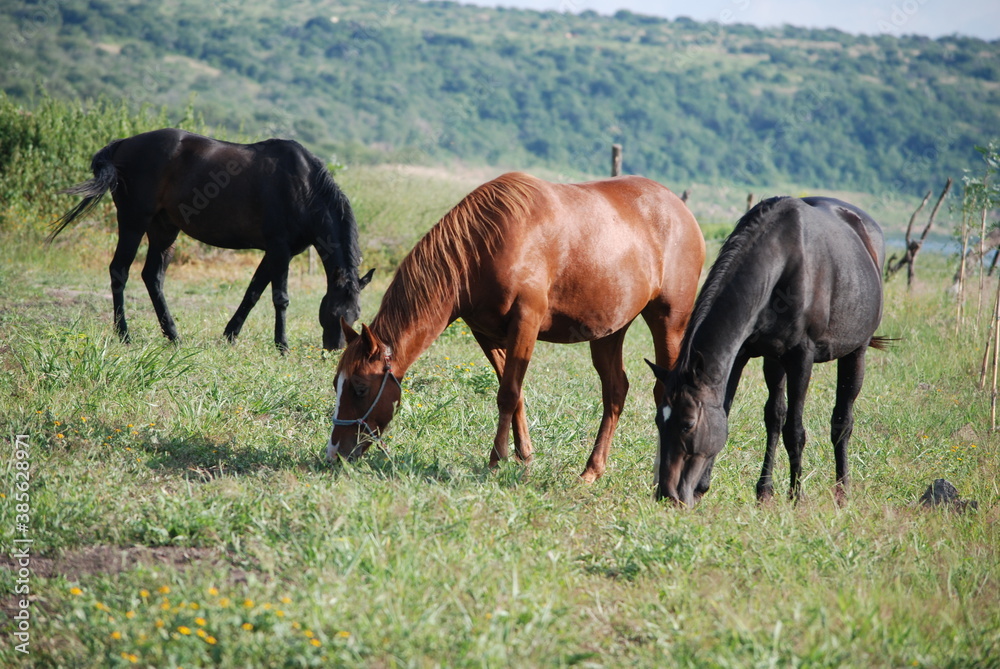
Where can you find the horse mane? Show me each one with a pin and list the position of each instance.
(326, 197)
(440, 266)
(741, 241)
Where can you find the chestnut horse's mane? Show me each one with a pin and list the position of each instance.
(441, 265)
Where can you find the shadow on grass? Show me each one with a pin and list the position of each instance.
(202, 458)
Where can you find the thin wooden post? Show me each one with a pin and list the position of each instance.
(749, 201)
(982, 274)
(616, 160)
(996, 364)
(989, 339)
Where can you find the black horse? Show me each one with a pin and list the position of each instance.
(273, 195)
(798, 281)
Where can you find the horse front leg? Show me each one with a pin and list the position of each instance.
(850, 376)
(279, 296)
(128, 244)
(606, 354)
(775, 411)
(798, 367)
(520, 346)
(258, 283)
(522, 441)
(158, 256)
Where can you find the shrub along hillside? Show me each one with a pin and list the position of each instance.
(424, 82)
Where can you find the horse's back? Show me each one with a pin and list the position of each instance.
(842, 251)
(597, 253)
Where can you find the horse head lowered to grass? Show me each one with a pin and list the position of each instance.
(521, 259)
(798, 281)
(273, 195)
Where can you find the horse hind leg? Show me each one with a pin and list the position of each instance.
(606, 355)
(161, 248)
(258, 283)
(850, 377)
(128, 243)
(522, 441)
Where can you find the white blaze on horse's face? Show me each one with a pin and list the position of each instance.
(332, 448)
(664, 417)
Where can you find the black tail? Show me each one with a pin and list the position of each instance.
(883, 343)
(105, 179)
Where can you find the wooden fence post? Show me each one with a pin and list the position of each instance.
(616, 159)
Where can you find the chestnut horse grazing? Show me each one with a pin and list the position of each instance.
(797, 282)
(273, 195)
(521, 259)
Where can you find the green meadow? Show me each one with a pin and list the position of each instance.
(180, 513)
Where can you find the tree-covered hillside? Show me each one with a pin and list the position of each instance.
(421, 82)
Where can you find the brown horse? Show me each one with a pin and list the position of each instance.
(273, 195)
(521, 259)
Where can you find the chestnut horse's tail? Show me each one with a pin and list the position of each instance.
(105, 179)
(882, 343)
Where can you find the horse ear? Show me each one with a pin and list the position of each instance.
(366, 279)
(697, 367)
(661, 373)
(372, 346)
(349, 333)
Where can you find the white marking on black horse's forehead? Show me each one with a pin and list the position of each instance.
(665, 412)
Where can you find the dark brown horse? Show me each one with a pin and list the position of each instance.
(273, 195)
(797, 282)
(521, 259)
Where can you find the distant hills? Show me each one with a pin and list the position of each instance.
(429, 82)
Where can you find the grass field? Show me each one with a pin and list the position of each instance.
(181, 515)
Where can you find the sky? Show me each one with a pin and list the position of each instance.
(934, 18)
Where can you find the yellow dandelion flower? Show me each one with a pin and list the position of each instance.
(213, 591)
(314, 642)
(202, 633)
(248, 603)
(210, 640)
(57, 423)
(60, 436)
(163, 589)
(309, 634)
(296, 624)
(195, 606)
(184, 630)
(200, 622)
(144, 593)
(130, 614)
(83, 418)
(116, 635)
(159, 624)
(286, 600)
(279, 613)
(344, 634)
(101, 607)
(224, 602)
(75, 591)
(247, 626)
(129, 425)
(165, 605)
(133, 658)
(267, 606)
